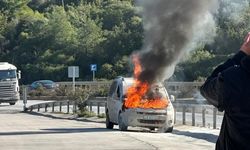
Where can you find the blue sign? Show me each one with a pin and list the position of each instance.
(93, 67)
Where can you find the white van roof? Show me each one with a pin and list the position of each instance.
(7, 66)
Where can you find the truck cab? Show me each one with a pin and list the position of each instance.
(9, 85)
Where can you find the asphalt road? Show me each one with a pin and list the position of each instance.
(29, 131)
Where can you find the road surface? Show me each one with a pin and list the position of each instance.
(29, 131)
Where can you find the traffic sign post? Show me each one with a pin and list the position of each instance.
(73, 72)
(24, 98)
(93, 68)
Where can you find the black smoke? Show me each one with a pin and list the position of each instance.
(170, 26)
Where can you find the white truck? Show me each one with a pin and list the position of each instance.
(9, 87)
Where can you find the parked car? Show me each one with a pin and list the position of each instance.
(116, 114)
(47, 84)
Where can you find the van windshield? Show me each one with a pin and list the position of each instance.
(156, 92)
(7, 74)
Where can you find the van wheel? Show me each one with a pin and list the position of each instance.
(13, 103)
(165, 130)
(170, 129)
(122, 126)
(109, 125)
(152, 129)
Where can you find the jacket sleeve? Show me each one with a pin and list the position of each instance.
(212, 89)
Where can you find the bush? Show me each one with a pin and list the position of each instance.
(101, 91)
(85, 113)
(102, 115)
(41, 91)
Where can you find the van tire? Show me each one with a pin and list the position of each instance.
(12, 103)
(152, 129)
(166, 130)
(169, 130)
(109, 125)
(122, 126)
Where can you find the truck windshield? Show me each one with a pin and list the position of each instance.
(7, 74)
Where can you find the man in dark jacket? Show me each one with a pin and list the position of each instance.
(228, 89)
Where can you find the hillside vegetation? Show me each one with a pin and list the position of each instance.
(43, 37)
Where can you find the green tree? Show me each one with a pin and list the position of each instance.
(3, 26)
(42, 38)
(232, 27)
(198, 66)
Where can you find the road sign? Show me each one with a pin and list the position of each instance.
(93, 67)
(73, 71)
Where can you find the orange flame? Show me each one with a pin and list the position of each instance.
(136, 93)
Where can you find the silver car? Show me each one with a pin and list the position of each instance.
(117, 114)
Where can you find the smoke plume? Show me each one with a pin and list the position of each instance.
(171, 28)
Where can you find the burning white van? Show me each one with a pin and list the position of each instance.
(152, 114)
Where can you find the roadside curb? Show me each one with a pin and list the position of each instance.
(68, 117)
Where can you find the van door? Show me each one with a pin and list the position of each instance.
(111, 101)
(118, 102)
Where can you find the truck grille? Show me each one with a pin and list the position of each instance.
(6, 90)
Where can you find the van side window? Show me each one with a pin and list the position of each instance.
(112, 88)
(118, 92)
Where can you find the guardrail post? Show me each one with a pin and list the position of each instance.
(175, 115)
(67, 107)
(184, 115)
(193, 116)
(46, 105)
(53, 107)
(214, 117)
(90, 107)
(74, 107)
(24, 98)
(203, 117)
(60, 107)
(38, 107)
(98, 108)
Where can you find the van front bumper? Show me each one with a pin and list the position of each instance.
(151, 118)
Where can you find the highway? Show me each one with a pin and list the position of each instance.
(40, 131)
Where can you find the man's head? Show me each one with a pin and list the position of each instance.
(245, 47)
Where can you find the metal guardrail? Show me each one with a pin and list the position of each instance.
(198, 84)
(196, 109)
(178, 89)
(53, 104)
(108, 83)
(98, 102)
(87, 84)
(174, 88)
